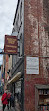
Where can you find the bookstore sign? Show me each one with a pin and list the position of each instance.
(32, 65)
(10, 45)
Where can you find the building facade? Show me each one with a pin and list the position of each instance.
(31, 22)
(36, 43)
(17, 73)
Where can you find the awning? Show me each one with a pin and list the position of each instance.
(15, 78)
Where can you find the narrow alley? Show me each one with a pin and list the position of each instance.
(24, 67)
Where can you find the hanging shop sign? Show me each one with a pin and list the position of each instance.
(32, 65)
(10, 46)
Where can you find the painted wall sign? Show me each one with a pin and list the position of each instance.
(32, 65)
(10, 46)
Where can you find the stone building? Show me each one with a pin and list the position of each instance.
(31, 22)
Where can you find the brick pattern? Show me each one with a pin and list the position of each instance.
(6, 67)
(36, 43)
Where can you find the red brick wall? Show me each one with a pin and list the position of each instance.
(6, 67)
(35, 44)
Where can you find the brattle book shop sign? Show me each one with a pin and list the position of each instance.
(10, 46)
(32, 65)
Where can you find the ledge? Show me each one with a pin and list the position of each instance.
(40, 86)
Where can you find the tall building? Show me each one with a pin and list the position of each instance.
(31, 22)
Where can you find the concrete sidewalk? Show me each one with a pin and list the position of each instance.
(0, 104)
(12, 109)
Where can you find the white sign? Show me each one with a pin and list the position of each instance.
(32, 65)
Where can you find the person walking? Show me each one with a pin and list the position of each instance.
(8, 97)
(4, 100)
(11, 100)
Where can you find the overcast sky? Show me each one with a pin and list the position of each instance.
(7, 12)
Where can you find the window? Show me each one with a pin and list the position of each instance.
(21, 45)
(46, 10)
(20, 11)
(17, 23)
(41, 97)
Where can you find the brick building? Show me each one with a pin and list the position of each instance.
(36, 44)
(32, 24)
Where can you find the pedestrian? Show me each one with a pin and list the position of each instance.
(4, 100)
(11, 100)
(8, 97)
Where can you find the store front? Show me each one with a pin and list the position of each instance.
(15, 88)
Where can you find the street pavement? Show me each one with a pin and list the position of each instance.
(0, 104)
(12, 109)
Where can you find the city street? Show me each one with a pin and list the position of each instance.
(12, 109)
